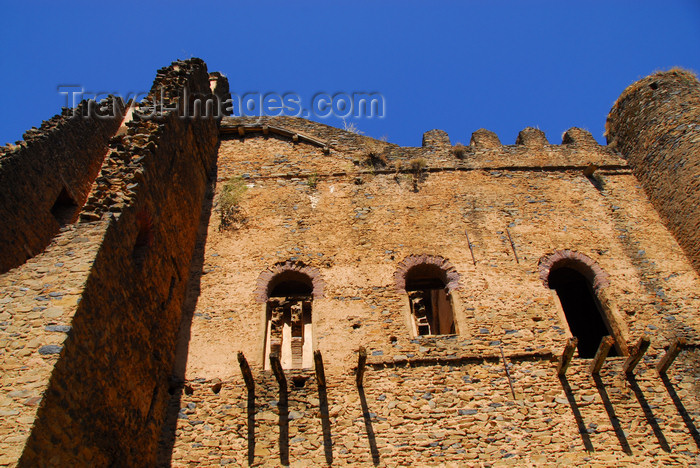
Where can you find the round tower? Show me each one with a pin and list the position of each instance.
(655, 125)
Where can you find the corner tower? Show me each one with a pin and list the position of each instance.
(655, 124)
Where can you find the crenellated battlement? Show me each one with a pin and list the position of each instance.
(341, 152)
(532, 137)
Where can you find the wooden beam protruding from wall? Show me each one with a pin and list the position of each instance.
(673, 351)
(247, 374)
(600, 355)
(567, 354)
(277, 370)
(636, 355)
(320, 372)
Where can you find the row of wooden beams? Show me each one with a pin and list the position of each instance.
(241, 130)
(278, 371)
(564, 361)
(635, 356)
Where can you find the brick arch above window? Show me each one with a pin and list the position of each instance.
(582, 263)
(280, 272)
(439, 265)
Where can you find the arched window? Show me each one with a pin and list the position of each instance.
(288, 291)
(428, 282)
(576, 278)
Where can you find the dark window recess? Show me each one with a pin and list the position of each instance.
(289, 332)
(292, 288)
(431, 307)
(299, 381)
(64, 209)
(582, 309)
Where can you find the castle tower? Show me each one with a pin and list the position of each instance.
(655, 124)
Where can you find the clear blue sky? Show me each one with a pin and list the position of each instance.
(454, 66)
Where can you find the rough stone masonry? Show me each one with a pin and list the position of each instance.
(361, 304)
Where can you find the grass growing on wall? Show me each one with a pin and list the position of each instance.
(229, 203)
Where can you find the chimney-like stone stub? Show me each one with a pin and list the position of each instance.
(485, 139)
(436, 139)
(576, 136)
(220, 88)
(531, 137)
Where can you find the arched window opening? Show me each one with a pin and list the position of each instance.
(289, 330)
(582, 309)
(292, 284)
(431, 306)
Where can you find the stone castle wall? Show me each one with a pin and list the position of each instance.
(119, 342)
(39, 299)
(63, 155)
(117, 346)
(353, 222)
(656, 124)
(461, 414)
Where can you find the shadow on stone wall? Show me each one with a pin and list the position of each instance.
(283, 408)
(648, 413)
(251, 426)
(681, 410)
(614, 420)
(368, 426)
(326, 424)
(177, 378)
(577, 414)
